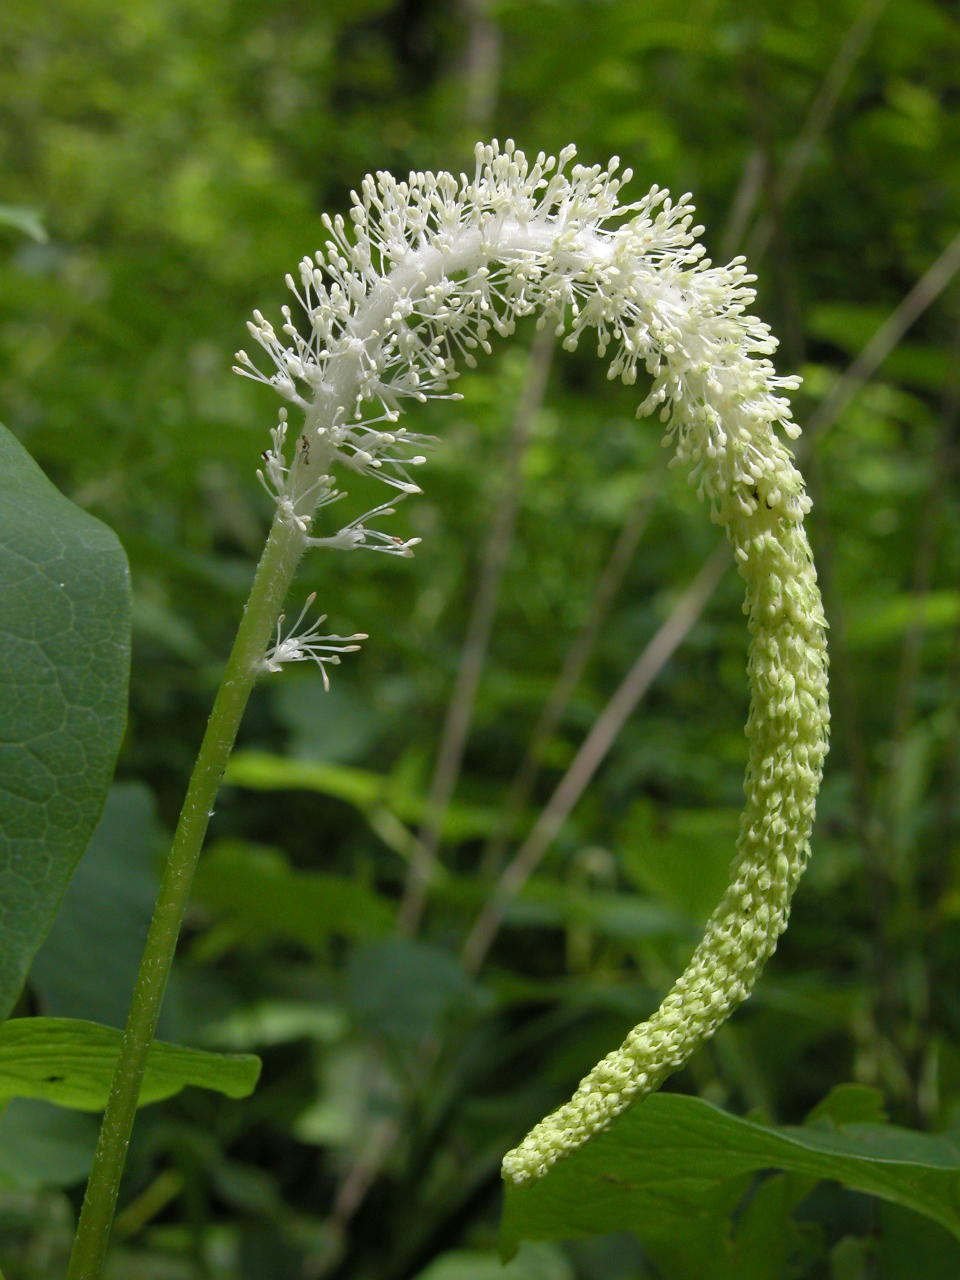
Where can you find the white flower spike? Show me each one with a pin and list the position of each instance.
(430, 271)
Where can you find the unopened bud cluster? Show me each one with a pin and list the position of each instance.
(418, 281)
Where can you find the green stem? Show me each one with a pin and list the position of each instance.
(281, 555)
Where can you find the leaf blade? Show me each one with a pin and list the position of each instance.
(669, 1166)
(65, 636)
(70, 1062)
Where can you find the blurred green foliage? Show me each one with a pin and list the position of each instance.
(178, 155)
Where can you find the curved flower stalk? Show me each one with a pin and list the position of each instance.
(432, 269)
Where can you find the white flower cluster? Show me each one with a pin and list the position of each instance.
(429, 271)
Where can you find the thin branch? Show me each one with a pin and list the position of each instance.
(814, 126)
(845, 698)
(927, 289)
(761, 122)
(474, 652)
(577, 657)
(924, 562)
(480, 77)
(591, 754)
(744, 202)
(946, 825)
(918, 898)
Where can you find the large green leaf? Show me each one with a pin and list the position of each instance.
(65, 637)
(675, 1170)
(70, 1062)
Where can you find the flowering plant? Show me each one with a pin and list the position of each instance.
(434, 269)
(428, 272)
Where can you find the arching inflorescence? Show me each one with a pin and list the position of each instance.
(431, 270)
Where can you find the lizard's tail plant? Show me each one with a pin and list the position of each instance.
(430, 270)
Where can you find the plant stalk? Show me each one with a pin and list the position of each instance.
(284, 547)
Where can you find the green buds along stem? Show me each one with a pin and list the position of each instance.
(432, 269)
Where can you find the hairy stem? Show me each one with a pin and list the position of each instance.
(281, 555)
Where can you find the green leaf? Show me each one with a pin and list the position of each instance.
(71, 1062)
(909, 1248)
(615, 915)
(65, 635)
(880, 621)
(22, 218)
(44, 1146)
(262, 896)
(848, 1104)
(362, 788)
(766, 1237)
(673, 1168)
(533, 1262)
(335, 725)
(273, 1022)
(850, 326)
(401, 989)
(659, 848)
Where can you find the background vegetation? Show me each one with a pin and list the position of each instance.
(179, 154)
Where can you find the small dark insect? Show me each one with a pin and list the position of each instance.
(305, 450)
(53, 1079)
(755, 494)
